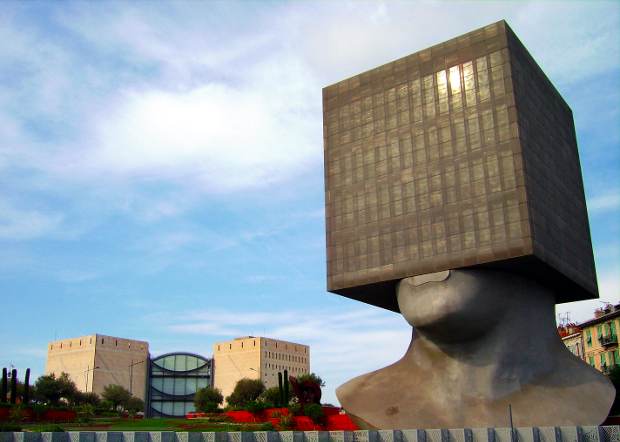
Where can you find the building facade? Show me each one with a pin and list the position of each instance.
(600, 338)
(257, 358)
(572, 338)
(174, 379)
(94, 361)
(463, 154)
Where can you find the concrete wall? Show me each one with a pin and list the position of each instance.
(79, 356)
(257, 358)
(76, 357)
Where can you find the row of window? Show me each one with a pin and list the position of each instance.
(420, 98)
(602, 330)
(283, 367)
(179, 386)
(254, 345)
(180, 362)
(168, 408)
(605, 359)
(285, 357)
(90, 341)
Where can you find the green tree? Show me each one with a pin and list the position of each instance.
(134, 405)
(208, 399)
(117, 395)
(311, 377)
(271, 395)
(51, 390)
(245, 391)
(81, 398)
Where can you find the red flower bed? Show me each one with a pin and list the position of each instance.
(59, 415)
(340, 422)
(304, 423)
(334, 421)
(5, 413)
(243, 417)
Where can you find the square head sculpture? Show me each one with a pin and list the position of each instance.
(460, 155)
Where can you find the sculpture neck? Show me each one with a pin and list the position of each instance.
(517, 349)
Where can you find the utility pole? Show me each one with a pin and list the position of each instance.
(88, 370)
(131, 374)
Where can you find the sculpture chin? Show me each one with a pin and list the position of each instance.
(455, 305)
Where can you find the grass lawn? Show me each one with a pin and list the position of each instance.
(118, 424)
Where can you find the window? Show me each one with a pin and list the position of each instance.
(589, 337)
(591, 360)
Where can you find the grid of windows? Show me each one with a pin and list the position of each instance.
(422, 170)
(174, 379)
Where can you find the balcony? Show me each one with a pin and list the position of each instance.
(606, 369)
(608, 340)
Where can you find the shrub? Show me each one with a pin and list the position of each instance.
(117, 395)
(51, 389)
(287, 422)
(208, 399)
(256, 407)
(245, 391)
(312, 377)
(5, 427)
(134, 405)
(294, 409)
(52, 428)
(314, 412)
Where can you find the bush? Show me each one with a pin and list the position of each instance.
(245, 391)
(294, 409)
(312, 378)
(51, 389)
(287, 422)
(117, 395)
(208, 399)
(52, 428)
(314, 412)
(134, 405)
(256, 407)
(4, 427)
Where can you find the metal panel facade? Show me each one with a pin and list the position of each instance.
(424, 170)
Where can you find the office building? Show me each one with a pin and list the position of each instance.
(460, 155)
(94, 361)
(257, 358)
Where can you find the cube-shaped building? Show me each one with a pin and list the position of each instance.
(460, 155)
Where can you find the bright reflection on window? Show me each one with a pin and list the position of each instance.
(455, 79)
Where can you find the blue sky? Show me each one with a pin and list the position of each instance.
(161, 164)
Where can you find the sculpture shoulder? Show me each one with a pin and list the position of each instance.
(369, 386)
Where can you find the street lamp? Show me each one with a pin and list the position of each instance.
(86, 376)
(131, 373)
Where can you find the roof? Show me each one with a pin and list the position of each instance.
(606, 317)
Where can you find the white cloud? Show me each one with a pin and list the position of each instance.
(343, 343)
(603, 203)
(24, 224)
(216, 137)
